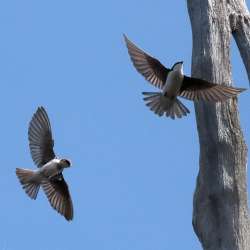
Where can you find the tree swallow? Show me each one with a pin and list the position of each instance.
(50, 168)
(173, 83)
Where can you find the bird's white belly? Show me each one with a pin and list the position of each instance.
(50, 169)
(173, 84)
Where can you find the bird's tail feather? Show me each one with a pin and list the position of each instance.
(161, 105)
(25, 177)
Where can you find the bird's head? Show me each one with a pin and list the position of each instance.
(65, 163)
(178, 66)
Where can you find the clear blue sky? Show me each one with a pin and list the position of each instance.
(133, 174)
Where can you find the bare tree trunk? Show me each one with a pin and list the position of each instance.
(220, 213)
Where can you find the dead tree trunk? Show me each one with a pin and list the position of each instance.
(220, 213)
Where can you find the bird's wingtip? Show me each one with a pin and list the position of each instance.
(242, 89)
(125, 38)
(40, 107)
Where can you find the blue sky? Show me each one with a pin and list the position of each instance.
(133, 174)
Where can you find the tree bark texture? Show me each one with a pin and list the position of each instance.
(220, 210)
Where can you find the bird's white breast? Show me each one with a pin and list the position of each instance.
(51, 168)
(173, 83)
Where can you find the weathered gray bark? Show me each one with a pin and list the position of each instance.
(220, 213)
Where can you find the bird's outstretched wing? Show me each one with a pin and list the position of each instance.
(149, 67)
(195, 89)
(40, 138)
(57, 192)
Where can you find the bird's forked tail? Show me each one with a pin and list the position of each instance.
(26, 179)
(161, 105)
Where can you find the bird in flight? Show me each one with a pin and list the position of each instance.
(172, 83)
(49, 173)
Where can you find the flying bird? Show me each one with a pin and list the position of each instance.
(49, 173)
(173, 83)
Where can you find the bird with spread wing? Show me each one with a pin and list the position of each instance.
(173, 83)
(49, 173)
